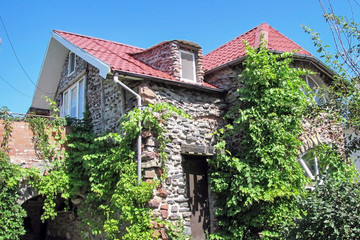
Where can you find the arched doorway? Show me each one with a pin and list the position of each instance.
(35, 229)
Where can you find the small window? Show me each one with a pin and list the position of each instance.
(73, 100)
(188, 72)
(71, 63)
(315, 84)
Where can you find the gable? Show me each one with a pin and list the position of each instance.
(235, 49)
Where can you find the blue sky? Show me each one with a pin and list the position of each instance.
(144, 23)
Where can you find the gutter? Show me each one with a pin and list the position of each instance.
(138, 105)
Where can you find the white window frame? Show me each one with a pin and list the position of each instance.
(70, 65)
(67, 109)
(194, 66)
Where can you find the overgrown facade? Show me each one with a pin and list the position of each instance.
(81, 78)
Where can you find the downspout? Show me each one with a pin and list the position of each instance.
(138, 105)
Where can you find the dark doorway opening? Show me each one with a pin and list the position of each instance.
(35, 229)
(196, 176)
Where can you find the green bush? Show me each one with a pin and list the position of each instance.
(331, 211)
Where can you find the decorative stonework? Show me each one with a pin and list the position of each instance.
(322, 130)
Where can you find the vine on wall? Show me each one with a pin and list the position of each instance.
(11, 213)
(259, 179)
(260, 184)
(98, 170)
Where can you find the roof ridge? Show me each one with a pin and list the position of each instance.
(300, 48)
(95, 38)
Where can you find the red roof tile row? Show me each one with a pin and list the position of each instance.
(119, 56)
(235, 49)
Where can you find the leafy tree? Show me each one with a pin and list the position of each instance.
(343, 96)
(332, 209)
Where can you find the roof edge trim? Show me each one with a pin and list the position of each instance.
(103, 67)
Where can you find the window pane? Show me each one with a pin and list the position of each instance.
(187, 65)
(66, 104)
(71, 62)
(81, 99)
(73, 93)
(309, 159)
(312, 84)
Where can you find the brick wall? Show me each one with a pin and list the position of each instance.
(21, 144)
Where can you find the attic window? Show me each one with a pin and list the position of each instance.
(71, 63)
(188, 72)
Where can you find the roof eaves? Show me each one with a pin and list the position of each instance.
(171, 82)
(328, 71)
(103, 67)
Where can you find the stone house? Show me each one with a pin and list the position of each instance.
(106, 78)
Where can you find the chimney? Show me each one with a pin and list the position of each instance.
(263, 30)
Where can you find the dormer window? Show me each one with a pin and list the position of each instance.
(188, 70)
(71, 63)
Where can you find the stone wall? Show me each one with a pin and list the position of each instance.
(94, 90)
(95, 98)
(163, 57)
(171, 201)
(166, 57)
(206, 109)
(66, 80)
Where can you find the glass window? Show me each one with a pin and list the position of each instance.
(81, 105)
(65, 103)
(314, 169)
(187, 66)
(73, 100)
(71, 63)
(315, 84)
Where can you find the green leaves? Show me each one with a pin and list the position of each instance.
(11, 213)
(103, 167)
(332, 211)
(258, 184)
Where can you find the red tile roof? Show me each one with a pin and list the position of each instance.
(235, 49)
(117, 55)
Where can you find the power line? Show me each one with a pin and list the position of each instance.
(14, 87)
(17, 58)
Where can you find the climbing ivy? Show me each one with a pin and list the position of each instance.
(98, 170)
(102, 169)
(258, 178)
(11, 213)
(49, 140)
